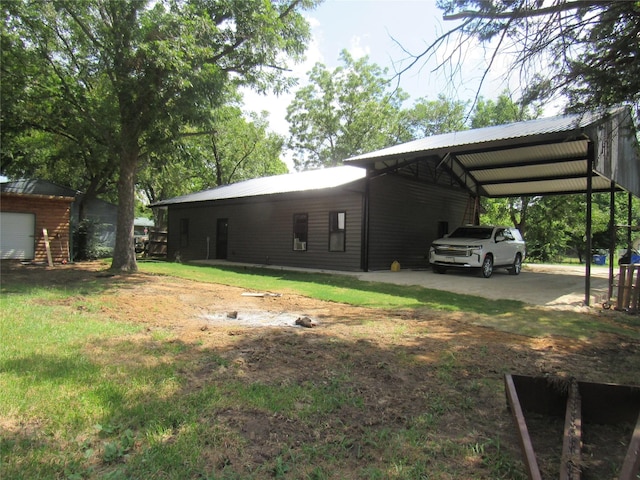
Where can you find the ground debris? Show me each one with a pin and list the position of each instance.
(305, 322)
(261, 294)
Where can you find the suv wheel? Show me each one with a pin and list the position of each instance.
(487, 266)
(517, 265)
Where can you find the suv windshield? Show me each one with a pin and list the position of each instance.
(470, 232)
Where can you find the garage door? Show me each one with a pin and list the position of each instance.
(16, 235)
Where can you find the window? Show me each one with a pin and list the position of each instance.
(184, 232)
(300, 225)
(337, 225)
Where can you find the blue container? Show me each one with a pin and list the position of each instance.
(600, 259)
(635, 258)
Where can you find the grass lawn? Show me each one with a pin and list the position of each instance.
(121, 378)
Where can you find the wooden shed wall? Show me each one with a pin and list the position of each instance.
(404, 217)
(260, 229)
(51, 213)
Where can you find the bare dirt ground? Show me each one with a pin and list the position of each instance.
(399, 362)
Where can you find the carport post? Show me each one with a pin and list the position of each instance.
(587, 278)
(612, 236)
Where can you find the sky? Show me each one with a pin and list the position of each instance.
(383, 30)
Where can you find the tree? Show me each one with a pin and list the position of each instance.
(41, 136)
(433, 117)
(584, 50)
(232, 149)
(501, 111)
(342, 113)
(133, 73)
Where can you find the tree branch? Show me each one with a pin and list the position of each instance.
(528, 12)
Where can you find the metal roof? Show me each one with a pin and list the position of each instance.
(37, 187)
(292, 182)
(543, 156)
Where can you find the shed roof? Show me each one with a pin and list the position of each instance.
(37, 187)
(543, 156)
(291, 182)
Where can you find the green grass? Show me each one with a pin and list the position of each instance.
(83, 396)
(337, 288)
(505, 315)
(76, 410)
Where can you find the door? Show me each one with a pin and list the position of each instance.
(17, 233)
(502, 251)
(222, 231)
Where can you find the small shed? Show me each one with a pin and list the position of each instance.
(33, 226)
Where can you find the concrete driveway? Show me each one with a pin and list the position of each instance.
(556, 286)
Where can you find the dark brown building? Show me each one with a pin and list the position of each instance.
(334, 219)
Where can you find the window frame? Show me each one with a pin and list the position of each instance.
(300, 234)
(337, 231)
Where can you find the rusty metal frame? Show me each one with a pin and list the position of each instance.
(598, 402)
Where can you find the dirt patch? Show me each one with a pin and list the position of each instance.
(401, 364)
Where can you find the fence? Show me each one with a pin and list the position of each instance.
(157, 244)
(629, 288)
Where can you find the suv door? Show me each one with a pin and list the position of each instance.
(502, 250)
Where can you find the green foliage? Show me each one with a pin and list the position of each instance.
(226, 146)
(116, 82)
(87, 244)
(555, 224)
(513, 210)
(433, 117)
(116, 451)
(504, 110)
(342, 113)
(355, 109)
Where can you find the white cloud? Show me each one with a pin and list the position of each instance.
(357, 49)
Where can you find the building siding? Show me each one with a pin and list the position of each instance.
(260, 229)
(404, 217)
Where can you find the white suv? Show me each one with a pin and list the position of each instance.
(485, 247)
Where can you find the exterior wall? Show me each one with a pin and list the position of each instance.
(260, 229)
(103, 215)
(404, 217)
(51, 213)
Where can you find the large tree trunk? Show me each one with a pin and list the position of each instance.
(124, 256)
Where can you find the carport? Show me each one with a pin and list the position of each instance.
(570, 154)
